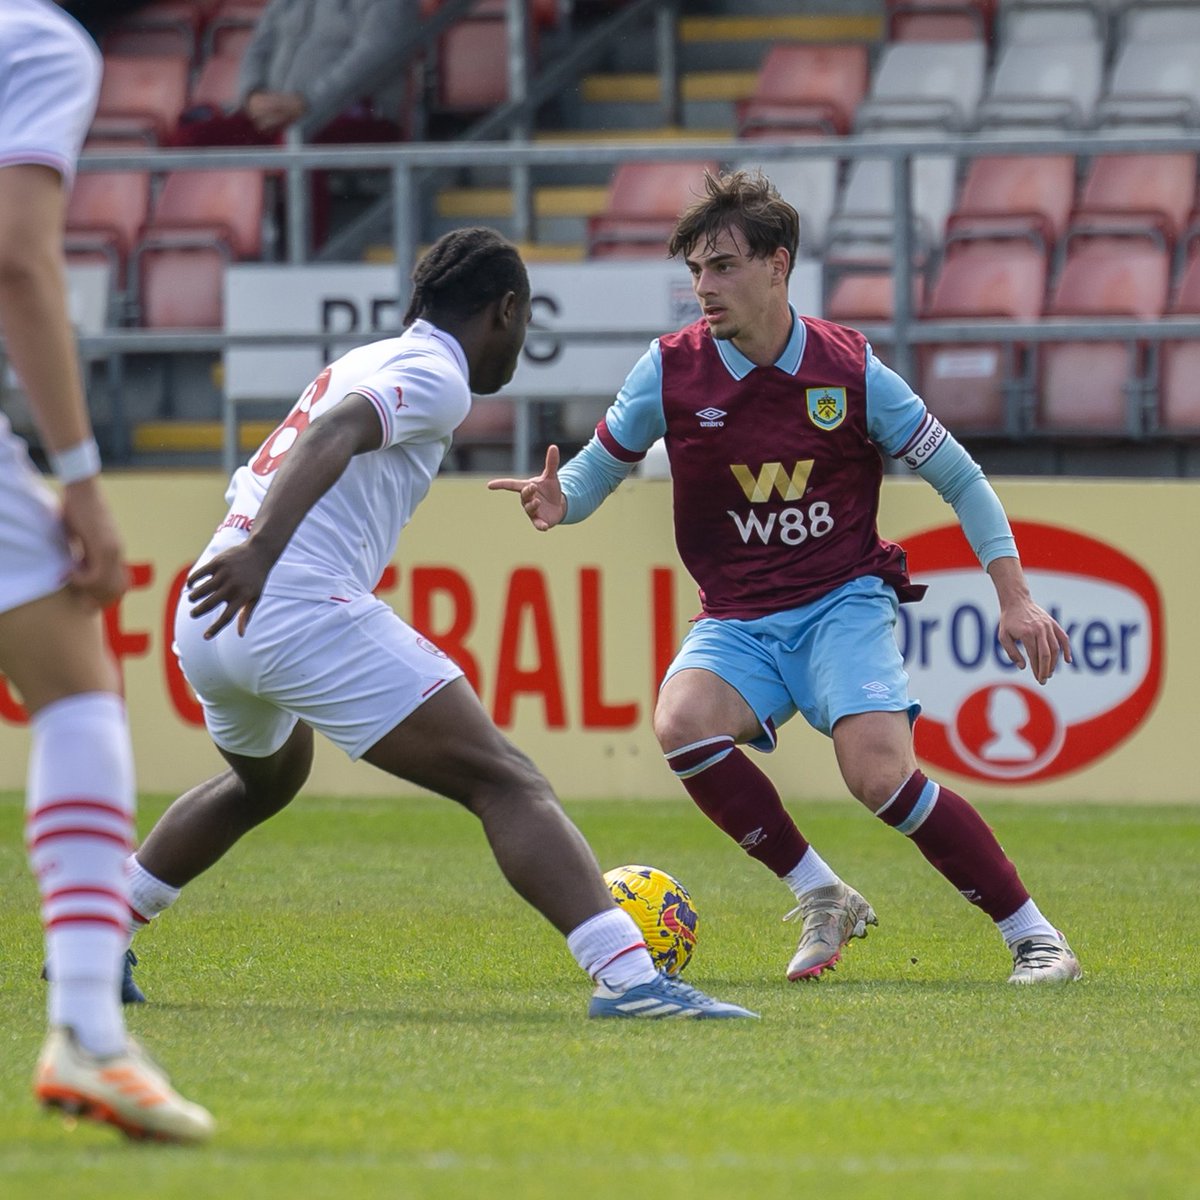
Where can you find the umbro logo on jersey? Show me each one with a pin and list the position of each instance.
(711, 418)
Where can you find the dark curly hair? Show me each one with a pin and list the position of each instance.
(743, 200)
(463, 272)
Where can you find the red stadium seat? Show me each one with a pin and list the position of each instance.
(1148, 190)
(201, 221)
(471, 68)
(805, 89)
(1095, 387)
(180, 287)
(231, 27)
(1014, 194)
(165, 27)
(1109, 276)
(141, 96)
(224, 205)
(644, 202)
(216, 85)
(1179, 383)
(106, 213)
(968, 385)
(862, 296)
(940, 20)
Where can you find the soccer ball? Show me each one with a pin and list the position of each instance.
(663, 911)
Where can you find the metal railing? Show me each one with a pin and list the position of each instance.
(409, 164)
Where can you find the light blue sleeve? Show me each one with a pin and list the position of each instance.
(899, 422)
(894, 410)
(633, 423)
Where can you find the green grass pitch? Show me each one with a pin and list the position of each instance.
(369, 1012)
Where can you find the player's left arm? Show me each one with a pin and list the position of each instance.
(235, 578)
(899, 422)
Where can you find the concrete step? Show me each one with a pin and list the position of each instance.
(569, 201)
(175, 444)
(560, 213)
(739, 41)
(530, 251)
(642, 87)
(601, 117)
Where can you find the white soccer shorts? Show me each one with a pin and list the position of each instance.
(350, 670)
(34, 557)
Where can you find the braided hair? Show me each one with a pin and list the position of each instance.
(463, 272)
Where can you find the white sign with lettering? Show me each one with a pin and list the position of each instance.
(650, 298)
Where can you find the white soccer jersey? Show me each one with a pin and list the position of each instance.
(419, 386)
(49, 82)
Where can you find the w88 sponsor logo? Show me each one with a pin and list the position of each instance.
(984, 718)
(791, 526)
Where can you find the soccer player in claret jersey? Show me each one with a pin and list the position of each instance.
(774, 425)
(61, 562)
(279, 632)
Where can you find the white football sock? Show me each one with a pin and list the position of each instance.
(79, 809)
(1026, 921)
(148, 895)
(810, 872)
(611, 949)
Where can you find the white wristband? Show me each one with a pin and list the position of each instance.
(77, 462)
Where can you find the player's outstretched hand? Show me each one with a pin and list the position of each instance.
(1030, 626)
(541, 497)
(99, 572)
(234, 578)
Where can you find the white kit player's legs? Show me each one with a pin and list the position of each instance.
(79, 831)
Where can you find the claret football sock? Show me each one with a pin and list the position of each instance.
(957, 841)
(740, 800)
(610, 948)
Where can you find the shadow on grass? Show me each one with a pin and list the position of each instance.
(305, 1009)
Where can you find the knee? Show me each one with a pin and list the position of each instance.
(873, 785)
(264, 796)
(675, 727)
(511, 779)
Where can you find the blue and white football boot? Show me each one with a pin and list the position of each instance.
(660, 999)
(130, 992)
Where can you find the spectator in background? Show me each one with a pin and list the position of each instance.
(305, 55)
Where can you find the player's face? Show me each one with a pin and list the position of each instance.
(505, 351)
(737, 293)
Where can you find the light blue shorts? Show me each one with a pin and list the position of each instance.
(825, 660)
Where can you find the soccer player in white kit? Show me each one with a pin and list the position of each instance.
(61, 562)
(279, 632)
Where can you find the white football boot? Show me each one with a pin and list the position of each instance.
(128, 1090)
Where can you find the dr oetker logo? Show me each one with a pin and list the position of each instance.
(984, 718)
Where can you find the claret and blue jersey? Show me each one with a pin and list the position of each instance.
(776, 470)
